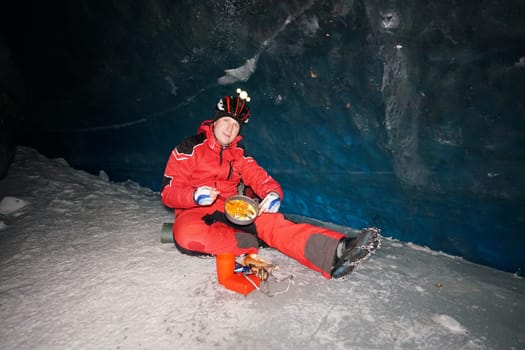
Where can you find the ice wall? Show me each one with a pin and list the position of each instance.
(406, 115)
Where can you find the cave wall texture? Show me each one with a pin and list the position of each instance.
(406, 115)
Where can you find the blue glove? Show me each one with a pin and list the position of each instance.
(270, 204)
(203, 195)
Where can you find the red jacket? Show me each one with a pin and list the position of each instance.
(200, 160)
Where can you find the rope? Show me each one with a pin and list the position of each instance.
(265, 283)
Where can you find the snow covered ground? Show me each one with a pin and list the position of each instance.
(82, 267)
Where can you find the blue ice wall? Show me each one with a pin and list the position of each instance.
(406, 115)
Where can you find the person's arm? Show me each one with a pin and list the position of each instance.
(177, 191)
(259, 180)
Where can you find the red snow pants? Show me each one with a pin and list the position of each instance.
(310, 245)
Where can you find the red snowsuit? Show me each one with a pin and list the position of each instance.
(201, 161)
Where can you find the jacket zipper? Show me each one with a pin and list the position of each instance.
(230, 171)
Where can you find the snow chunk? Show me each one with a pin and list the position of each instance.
(103, 175)
(420, 248)
(450, 323)
(520, 63)
(241, 73)
(9, 205)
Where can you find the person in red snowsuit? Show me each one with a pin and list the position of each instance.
(207, 168)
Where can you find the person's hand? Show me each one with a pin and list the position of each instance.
(270, 204)
(205, 195)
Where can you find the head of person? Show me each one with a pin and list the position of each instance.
(231, 114)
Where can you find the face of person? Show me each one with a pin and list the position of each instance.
(226, 130)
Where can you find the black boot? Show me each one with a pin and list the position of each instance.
(352, 251)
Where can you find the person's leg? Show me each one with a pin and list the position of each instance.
(192, 234)
(312, 246)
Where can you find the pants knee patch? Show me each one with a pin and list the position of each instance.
(320, 251)
(246, 240)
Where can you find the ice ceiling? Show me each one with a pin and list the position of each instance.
(405, 115)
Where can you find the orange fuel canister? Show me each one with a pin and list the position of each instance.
(236, 282)
(225, 265)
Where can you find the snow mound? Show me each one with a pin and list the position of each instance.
(449, 323)
(10, 205)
